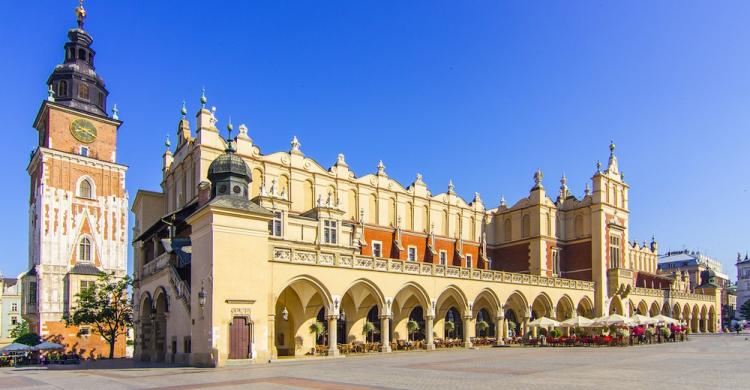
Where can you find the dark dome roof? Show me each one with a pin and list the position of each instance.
(228, 164)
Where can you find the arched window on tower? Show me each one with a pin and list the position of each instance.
(62, 88)
(83, 91)
(85, 190)
(84, 249)
(82, 54)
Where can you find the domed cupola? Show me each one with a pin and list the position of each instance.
(75, 82)
(228, 173)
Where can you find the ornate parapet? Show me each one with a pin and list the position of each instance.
(377, 264)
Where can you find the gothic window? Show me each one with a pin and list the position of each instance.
(83, 91)
(84, 189)
(507, 228)
(555, 262)
(62, 89)
(84, 249)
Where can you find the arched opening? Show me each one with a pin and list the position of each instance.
(484, 316)
(542, 307)
(585, 308)
(84, 189)
(82, 54)
(642, 308)
(374, 319)
(160, 326)
(83, 91)
(62, 89)
(299, 306)
(564, 308)
(456, 331)
(147, 328)
(655, 309)
(361, 304)
(516, 308)
(615, 306)
(417, 315)
(410, 304)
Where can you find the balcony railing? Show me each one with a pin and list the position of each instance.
(290, 255)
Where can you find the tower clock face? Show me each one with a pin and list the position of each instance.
(83, 130)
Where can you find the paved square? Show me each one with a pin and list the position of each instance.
(716, 361)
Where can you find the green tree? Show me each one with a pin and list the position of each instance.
(31, 339)
(317, 329)
(482, 326)
(412, 326)
(450, 327)
(20, 329)
(106, 307)
(368, 329)
(745, 309)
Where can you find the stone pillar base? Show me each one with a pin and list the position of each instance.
(468, 344)
(385, 348)
(429, 347)
(333, 352)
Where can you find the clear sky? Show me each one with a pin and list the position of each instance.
(481, 92)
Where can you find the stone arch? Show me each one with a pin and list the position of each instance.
(451, 303)
(255, 185)
(160, 312)
(297, 306)
(564, 308)
(615, 306)
(695, 319)
(642, 308)
(146, 327)
(712, 320)
(585, 307)
(488, 298)
(541, 307)
(410, 302)
(516, 310)
(357, 303)
(655, 309)
(676, 314)
(703, 326)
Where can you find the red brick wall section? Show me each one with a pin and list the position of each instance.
(575, 262)
(514, 258)
(91, 346)
(383, 236)
(420, 242)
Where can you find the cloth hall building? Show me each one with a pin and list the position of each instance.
(241, 251)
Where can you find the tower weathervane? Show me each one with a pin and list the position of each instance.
(80, 14)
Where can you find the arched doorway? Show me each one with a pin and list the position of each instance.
(298, 307)
(147, 328)
(453, 315)
(417, 314)
(160, 326)
(484, 315)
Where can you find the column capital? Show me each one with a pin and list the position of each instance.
(429, 317)
(385, 316)
(500, 317)
(332, 317)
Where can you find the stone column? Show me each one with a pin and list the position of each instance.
(704, 327)
(429, 338)
(385, 336)
(272, 336)
(500, 329)
(524, 324)
(467, 332)
(333, 347)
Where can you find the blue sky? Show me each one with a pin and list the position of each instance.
(481, 92)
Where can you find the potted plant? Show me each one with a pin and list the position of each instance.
(555, 333)
(450, 327)
(317, 329)
(412, 326)
(368, 329)
(482, 326)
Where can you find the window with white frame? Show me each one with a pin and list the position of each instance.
(330, 231)
(469, 261)
(377, 249)
(85, 189)
(443, 258)
(555, 262)
(86, 284)
(412, 253)
(13, 320)
(84, 151)
(614, 251)
(84, 249)
(275, 225)
(14, 307)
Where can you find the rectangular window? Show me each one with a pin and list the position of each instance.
(555, 262)
(14, 320)
(32, 293)
(85, 284)
(330, 232)
(377, 249)
(614, 251)
(14, 307)
(443, 258)
(85, 331)
(275, 225)
(469, 261)
(412, 252)
(84, 151)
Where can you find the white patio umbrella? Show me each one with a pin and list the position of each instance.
(661, 318)
(639, 319)
(577, 322)
(613, 319)
(16, 347)
(46, 346)
(544, 322)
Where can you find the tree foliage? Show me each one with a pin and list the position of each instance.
(31, 339)
(106, 307)
(20, 329)
(412, 326)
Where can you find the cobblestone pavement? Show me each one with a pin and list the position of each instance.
(704, 362)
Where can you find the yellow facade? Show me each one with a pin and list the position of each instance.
(328, 245)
